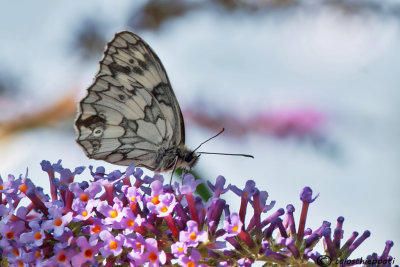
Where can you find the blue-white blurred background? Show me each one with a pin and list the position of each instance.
(310, 88)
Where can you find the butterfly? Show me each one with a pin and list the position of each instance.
(130, 113)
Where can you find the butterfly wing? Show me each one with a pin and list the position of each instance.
(130, 112)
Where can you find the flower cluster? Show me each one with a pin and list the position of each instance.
(122, 219)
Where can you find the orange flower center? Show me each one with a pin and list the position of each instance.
(84, 213)
(180, 249)
(113, 213)
(130, 223)
(10, 235)
(113, 245)
(62, 258)
(57, 222)
(23, 188)
(85, 197)
(155, 200)
(235, 229)
(38, 254)
(37, 236)
(191, 264)
(133, 199)
(88, 253)
(152, 257)
(15, 252)
(96, 229)
(138, 245)
(193, 236)
(165, 209)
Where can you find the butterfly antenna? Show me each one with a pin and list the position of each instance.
(214, 153)
(220, 132)
(228, 154)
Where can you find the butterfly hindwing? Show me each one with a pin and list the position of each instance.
(130, 111)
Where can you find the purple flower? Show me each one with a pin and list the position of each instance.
(113, 176)
(150, 180)
(34, 257)
(6, 212)
(218, 188)
(165, 205)
(11, 187)
(28, 215)
(67, 176)
(87, 252)
(158, 202)
(58, 222)
(36, 236)
(151, 255)
(179, 248)
(249, 190)
(137, 244)
(62, 256)
(131, 170)
(193, 236)
(191, 261)
(9, 232)
(189, 184)
(234, 226)
(112, 245)
(129, 222)
(85, 212)
(48, 167)
(82, 197)
(132, 193)
(98, 174)
(112, 214)
(95, 229)
(156, 190)
(306, 195)
(263, 202)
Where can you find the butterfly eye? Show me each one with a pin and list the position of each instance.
(189, 157)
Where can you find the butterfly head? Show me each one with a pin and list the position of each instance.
(188, 159)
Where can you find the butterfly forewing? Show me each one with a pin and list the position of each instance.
(130, 113)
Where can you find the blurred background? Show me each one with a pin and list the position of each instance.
(310, 88)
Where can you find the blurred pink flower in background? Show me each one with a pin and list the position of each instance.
(286, 122)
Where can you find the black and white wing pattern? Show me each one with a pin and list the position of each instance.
(130, 113)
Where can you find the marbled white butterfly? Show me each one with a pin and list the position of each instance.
(130, 113)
